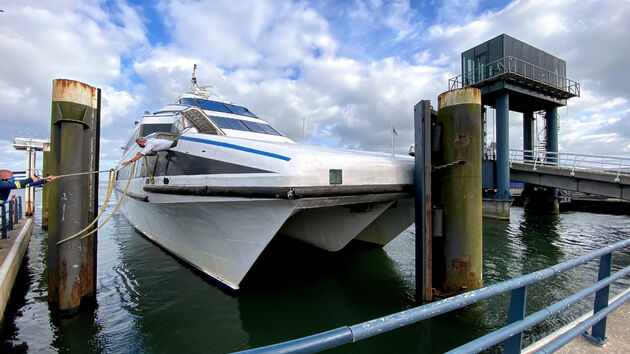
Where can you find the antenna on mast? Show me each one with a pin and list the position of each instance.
(194, 78)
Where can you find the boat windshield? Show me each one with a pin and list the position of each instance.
(213, 106)
(240, 110)
(217, 106)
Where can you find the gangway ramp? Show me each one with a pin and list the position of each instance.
(595, 174)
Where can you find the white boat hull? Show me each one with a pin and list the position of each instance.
(221, 237)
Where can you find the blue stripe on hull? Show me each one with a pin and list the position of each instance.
(236, 147)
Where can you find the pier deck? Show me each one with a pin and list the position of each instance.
(12, 250)
(617, 329)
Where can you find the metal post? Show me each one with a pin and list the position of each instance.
(503, 147)
(29, 193)
(552, 135)
(16, 209)
(4, 221)
(21, 208)
(74, 111)
(10, 215)
(518, 300)
(552, 144)
(460, 190)
(422, 181)
(598, 333)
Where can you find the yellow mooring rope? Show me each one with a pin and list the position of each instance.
(146, 163)
(110, 188)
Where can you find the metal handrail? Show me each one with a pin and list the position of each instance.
(11, 214)
(517, 67)
(584, 162)
(511, 335)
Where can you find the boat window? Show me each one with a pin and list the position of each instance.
(213, 106)
(147, 129)
(253, 126)
(222, 122)
(240, 110)
(237, 124)
(189, 101)
(269, 130)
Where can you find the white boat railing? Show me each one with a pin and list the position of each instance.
(583, 162)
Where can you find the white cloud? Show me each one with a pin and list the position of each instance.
(86, 45)
(283, 60)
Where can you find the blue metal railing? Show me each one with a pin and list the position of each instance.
(511, 335)
(11, 214)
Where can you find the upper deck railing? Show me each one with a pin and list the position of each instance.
(517, 69)
(583, 162)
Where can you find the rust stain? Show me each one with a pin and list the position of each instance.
(466, 95)
(74, 91)
(463, 267)
(462, 140)
(81, 285)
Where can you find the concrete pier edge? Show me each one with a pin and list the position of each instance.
(12, 262)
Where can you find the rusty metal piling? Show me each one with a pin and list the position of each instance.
(72, 202)
(459, 185)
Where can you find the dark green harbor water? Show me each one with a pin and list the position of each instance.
(149, 302)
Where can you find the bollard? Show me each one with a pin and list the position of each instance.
(460, 189)
(4, 221)
(74, 148)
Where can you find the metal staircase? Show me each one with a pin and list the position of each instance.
(201, 121)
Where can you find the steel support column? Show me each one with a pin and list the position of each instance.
(541, 200)
(503, 147)
(552, 134)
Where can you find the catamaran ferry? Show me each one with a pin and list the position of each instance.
(231, 182)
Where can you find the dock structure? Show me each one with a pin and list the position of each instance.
(515, 76)
(18, 232)
(31, 146)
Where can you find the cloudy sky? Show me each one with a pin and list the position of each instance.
(347, 67)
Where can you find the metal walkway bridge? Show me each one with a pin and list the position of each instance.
(594, 174)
